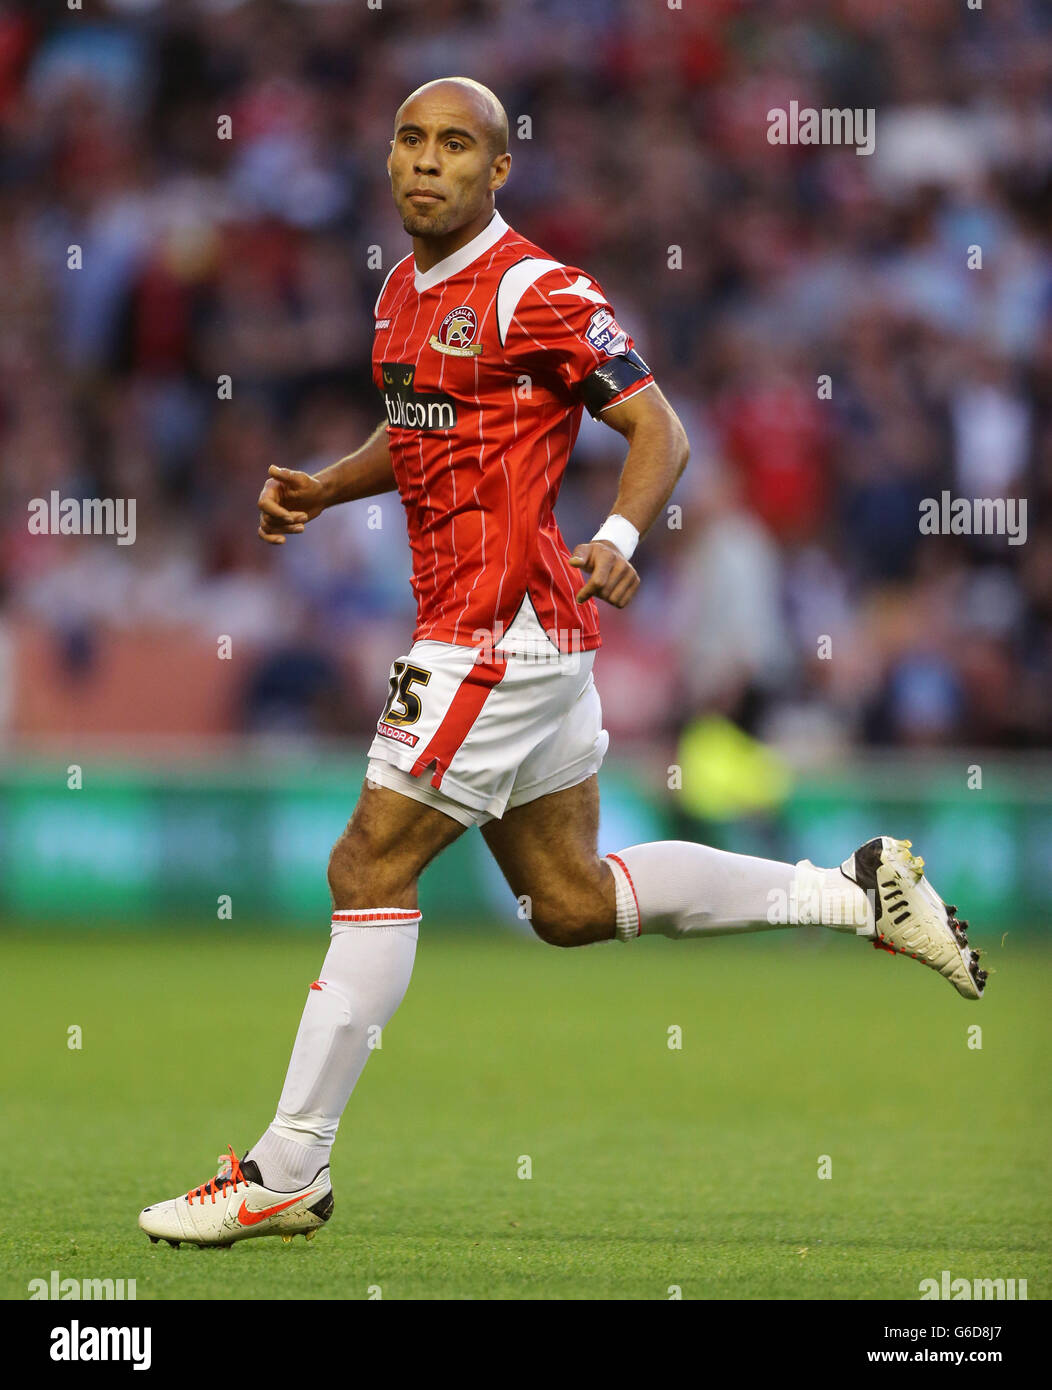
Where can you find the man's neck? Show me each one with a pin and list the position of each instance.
(428, 251)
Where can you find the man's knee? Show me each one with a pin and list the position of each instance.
(362, 875)
(345, 866)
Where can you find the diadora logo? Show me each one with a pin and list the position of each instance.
(456, 335)
(408, 409)
(399, 735)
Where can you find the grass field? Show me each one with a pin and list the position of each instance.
(651, 1167)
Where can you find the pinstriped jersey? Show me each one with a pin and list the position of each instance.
(481, 362)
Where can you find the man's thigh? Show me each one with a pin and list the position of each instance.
(548, 851)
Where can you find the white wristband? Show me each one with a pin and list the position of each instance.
(619, 531)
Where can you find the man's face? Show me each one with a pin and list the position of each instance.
(441, 164)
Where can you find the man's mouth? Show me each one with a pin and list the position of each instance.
(424, 196)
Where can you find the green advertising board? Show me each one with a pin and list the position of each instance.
(141, 844)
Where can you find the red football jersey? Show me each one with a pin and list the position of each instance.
(481, 362)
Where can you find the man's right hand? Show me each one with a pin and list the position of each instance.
(288, 501)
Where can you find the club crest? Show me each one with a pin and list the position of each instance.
(455, 336)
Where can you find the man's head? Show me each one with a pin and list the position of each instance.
(448, 157)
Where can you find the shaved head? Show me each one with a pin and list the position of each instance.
(449, 157)
(489, 113)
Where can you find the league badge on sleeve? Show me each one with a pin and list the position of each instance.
(605, 334)
(455, 337)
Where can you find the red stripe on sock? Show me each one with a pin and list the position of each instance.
(464, 708)
(348, 915)
(624, 867)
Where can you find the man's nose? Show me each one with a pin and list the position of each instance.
(426, 161)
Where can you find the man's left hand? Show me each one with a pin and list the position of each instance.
(612, 577)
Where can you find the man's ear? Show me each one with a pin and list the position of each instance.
(499, 172)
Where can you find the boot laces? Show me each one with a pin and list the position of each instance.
(229, 1173)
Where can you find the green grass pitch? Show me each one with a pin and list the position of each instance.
(652, 1167)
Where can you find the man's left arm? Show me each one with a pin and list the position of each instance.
(657, 454)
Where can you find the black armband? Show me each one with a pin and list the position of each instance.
(610, 378)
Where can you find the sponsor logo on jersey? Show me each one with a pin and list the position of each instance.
(455, 337)
(399, 735)
(605, 334)
(408, 409)
(381, 323)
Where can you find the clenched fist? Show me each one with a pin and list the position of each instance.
(613, 578)
(288, 501)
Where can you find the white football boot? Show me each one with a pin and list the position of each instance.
(909, 917)
(235, 1205)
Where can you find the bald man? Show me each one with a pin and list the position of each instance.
(486, 352)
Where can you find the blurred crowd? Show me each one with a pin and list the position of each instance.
(843, 336)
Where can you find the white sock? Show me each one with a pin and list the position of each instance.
(677, 888)
(362, 982)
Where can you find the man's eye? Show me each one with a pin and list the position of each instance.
(454, 145)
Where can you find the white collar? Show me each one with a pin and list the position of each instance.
(460, 260)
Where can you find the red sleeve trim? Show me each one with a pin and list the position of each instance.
(628, 392)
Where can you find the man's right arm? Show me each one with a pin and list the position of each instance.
(290, 498)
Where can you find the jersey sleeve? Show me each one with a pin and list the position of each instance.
(563, 322)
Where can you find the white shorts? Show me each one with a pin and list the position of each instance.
(473, 736)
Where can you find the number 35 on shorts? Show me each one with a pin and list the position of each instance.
(403, 704)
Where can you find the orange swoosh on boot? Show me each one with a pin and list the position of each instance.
(250, 1218)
